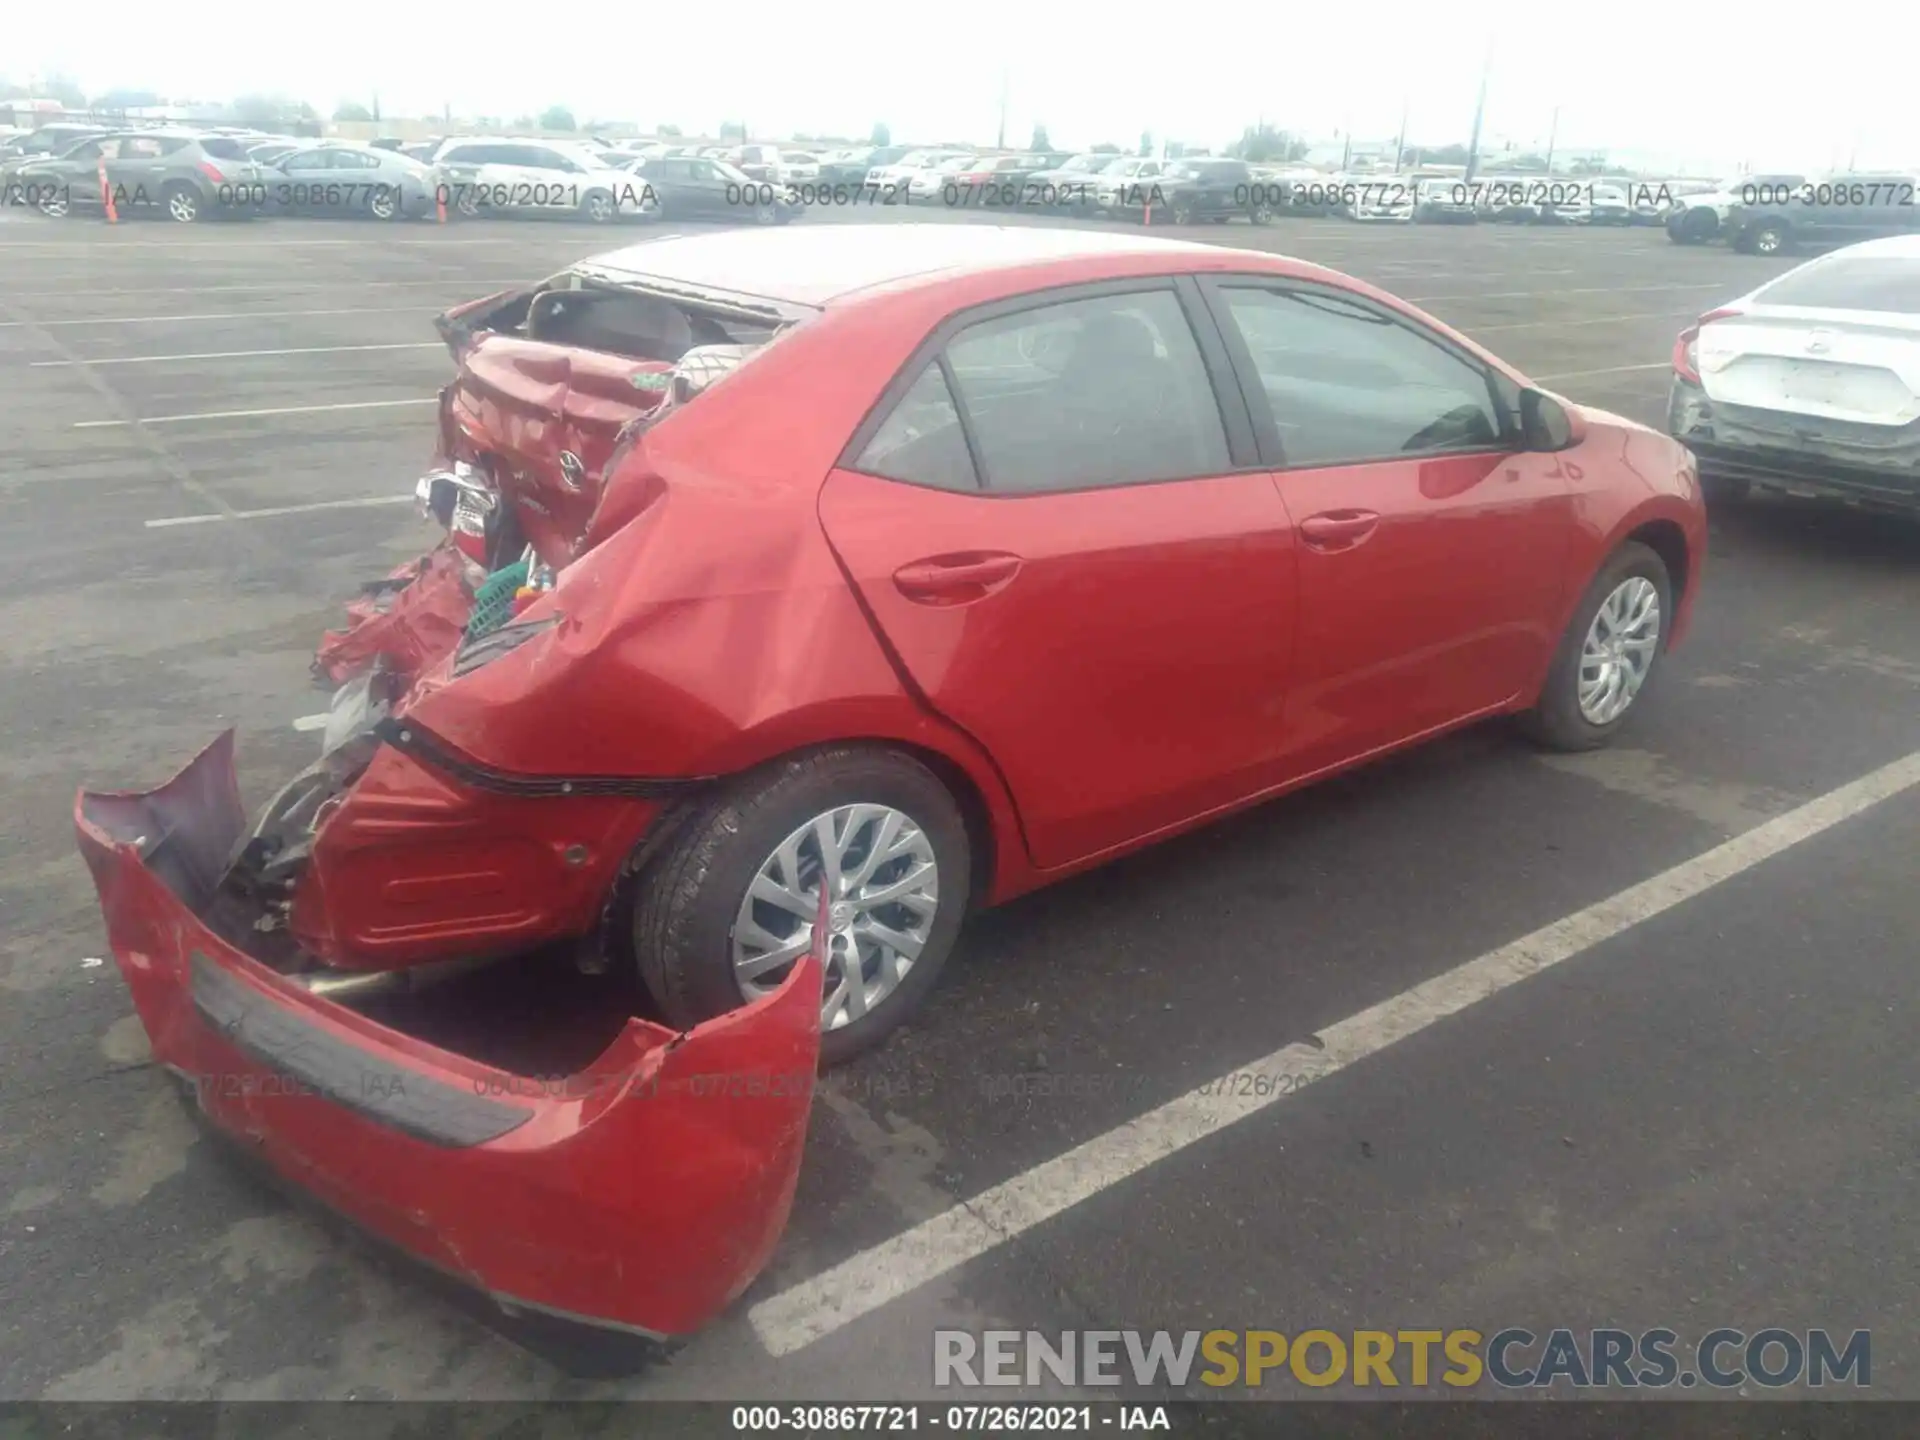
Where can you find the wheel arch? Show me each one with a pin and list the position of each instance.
(1666, 539)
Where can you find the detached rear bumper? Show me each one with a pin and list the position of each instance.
(644, 1192)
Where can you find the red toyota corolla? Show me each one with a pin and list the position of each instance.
(990, 555)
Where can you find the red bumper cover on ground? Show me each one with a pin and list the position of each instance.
(644, 1192)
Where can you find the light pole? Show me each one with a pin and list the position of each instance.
(1553, 132)
(1400, 143)
(1479, 110)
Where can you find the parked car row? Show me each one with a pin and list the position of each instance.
(190, 174)
(1770, 214)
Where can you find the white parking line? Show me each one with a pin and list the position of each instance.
(1712, 285)
(479, 287)
(1545, 324)
(235, 354)
(1609, 370)
(168, 319)
(362, 503)
(107, 246)
(248, 414)
(836, 1297)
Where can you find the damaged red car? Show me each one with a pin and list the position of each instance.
(805, 590)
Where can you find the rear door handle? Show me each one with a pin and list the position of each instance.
(955, 579)
(1338, 529)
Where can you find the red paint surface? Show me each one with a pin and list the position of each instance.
(412, 628)
(646, 1191)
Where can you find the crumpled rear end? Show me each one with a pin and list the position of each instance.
(411, 620)
(643, 1192)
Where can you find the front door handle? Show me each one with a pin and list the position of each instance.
(955, 579)
(1338, 529)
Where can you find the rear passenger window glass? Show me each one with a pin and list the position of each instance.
(1105, 391)
(1848, 282)
(222, 147)
(921, 441)
(1345, 382)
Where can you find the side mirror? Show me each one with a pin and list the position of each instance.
(1547, 425)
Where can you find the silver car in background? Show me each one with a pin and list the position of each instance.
(1810, 385)
(340, 177)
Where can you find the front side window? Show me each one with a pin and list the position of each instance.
(1345, 382)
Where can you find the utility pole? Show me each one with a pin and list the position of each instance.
(1400, 143)
(1001, 144)
(1553, 133)
(1479, 111)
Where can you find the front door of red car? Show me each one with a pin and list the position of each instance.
(1433, 550)
(1076, 572)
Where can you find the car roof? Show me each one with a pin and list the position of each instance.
(813, 266)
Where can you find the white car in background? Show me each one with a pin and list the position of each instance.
(1124, 180)
(1377, 198)
(926, 186)
(493, 174)
(1696, 219)
(1810, 385)
(894, 179)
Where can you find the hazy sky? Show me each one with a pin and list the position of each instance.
(1712, 83)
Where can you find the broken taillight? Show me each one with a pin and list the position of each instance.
(1685, 354)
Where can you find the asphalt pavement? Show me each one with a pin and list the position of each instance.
(1625, 1039)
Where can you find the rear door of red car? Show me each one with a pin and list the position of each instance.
(1433, 548)
(1059, 523)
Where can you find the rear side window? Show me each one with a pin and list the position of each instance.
(1103, 391)
(1850, 282)
(921, 441)
(222, 147)
(1344, 382)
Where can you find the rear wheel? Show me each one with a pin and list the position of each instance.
(55, 203)
(383, 202)
(1608, 653)
(726, 911)
(1764, 237)
(182, 202)
(597, 206)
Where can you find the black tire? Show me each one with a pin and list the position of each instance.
(1763, 237)
(1724, 490)
(688, 895)
(1555, 721)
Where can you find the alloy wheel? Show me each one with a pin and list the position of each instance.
(184, 206)
(883, 892)
(1619, 649)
